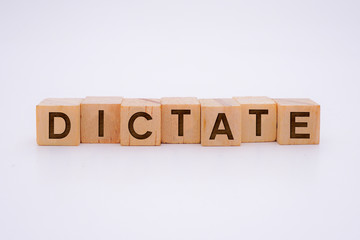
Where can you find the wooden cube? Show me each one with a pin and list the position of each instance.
(140, 123)
(100, 120)
(58, 121)
(258, 119)
(298, 121)
(180, 120)
(220, 122)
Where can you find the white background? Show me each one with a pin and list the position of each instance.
(207, 48)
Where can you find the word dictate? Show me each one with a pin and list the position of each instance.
(177, 120)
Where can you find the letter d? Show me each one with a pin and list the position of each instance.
(52, 134)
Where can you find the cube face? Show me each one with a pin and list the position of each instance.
(298, 121)
(100, 120)
(58, 122)
(180, 120)
(258, 115)
(220, 122)
(140, 123)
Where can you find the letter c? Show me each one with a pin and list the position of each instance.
(131, 125)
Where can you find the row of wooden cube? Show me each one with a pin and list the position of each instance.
(211, 122)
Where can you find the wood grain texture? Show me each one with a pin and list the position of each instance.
(61, 110)
(100, 120)
(258, 116)
(298, 121)
(148, 130)
(225, 111)
(180, 121)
